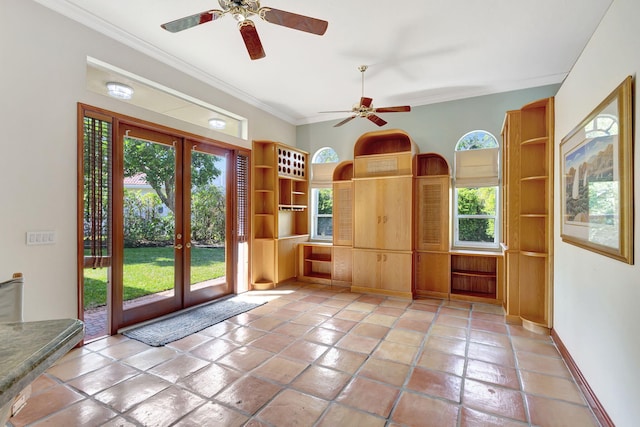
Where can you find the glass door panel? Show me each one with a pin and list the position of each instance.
(152, 247)
(206, 197)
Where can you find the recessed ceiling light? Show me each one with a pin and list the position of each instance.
(119, 90)
(217, 123)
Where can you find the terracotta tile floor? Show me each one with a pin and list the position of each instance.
(320, 356)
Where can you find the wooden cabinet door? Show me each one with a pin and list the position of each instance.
(394, 209)
(395, 271)
(432, 228)
(366, 218)
(432, 274)
(342, 264)
(366, 269)
(287, 256)
(383, 213)
(343, 213)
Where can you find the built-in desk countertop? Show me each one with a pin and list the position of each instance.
(27, 349)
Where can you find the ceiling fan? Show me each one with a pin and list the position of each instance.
(366, 109)
(241, 10)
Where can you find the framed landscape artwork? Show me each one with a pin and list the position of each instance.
(597, 178)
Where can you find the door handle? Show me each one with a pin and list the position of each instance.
(178, 246)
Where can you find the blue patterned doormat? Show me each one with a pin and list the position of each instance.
(173, 328)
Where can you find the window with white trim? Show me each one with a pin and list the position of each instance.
(476, 222)
(322, 164)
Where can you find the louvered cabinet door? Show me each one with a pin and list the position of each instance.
(432, 228)
(343, 213)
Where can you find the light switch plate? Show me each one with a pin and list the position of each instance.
(41, 237)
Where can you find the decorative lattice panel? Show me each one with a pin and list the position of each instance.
(291, 163)
(431, 209)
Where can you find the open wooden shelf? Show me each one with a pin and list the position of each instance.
(316, 262)
(343, 171)
(528, 179)
(431, 164)
(474, 275)
(279, 211)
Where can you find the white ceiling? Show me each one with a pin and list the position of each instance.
(418, 51)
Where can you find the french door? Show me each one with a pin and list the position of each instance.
(171, 227)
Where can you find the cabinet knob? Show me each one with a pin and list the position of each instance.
(178, 246)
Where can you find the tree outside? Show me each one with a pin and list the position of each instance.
(324, 225)
(474, 204)
(156, 162)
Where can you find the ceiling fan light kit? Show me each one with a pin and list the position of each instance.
(241, 10)
(365, 108)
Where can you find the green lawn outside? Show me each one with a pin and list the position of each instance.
(150, 270)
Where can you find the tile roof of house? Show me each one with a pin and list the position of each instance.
(137, 179)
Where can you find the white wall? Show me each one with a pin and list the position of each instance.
(42, 77)
(596, 311)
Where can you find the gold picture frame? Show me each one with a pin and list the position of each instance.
(597, 178)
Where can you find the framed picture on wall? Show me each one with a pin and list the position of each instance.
(597, 178)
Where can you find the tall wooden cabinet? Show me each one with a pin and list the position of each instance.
(432, 230)
(342, 267)
(383, 213)
(279, 210)
(528, 216)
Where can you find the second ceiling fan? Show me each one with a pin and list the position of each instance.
(241, 10)
(366, 110)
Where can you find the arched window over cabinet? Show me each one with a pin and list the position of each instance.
(476, 210)
(322, 164)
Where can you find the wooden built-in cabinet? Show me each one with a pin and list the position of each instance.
(384, 272)
(342, 224)
(432, 275)
(383, 213)
(528, 219)
(280, 186)
(332, 263)
(343, 204)
(432, 195)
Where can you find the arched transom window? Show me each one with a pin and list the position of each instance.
(476, 208)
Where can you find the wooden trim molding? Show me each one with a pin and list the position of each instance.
(592, 399)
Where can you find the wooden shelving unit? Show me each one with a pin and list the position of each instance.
(475, 275)
(342, 224)
(279, 211)
(315, 262)
(528, 141)
(383, 213)
(432, 195)
(343, 204)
